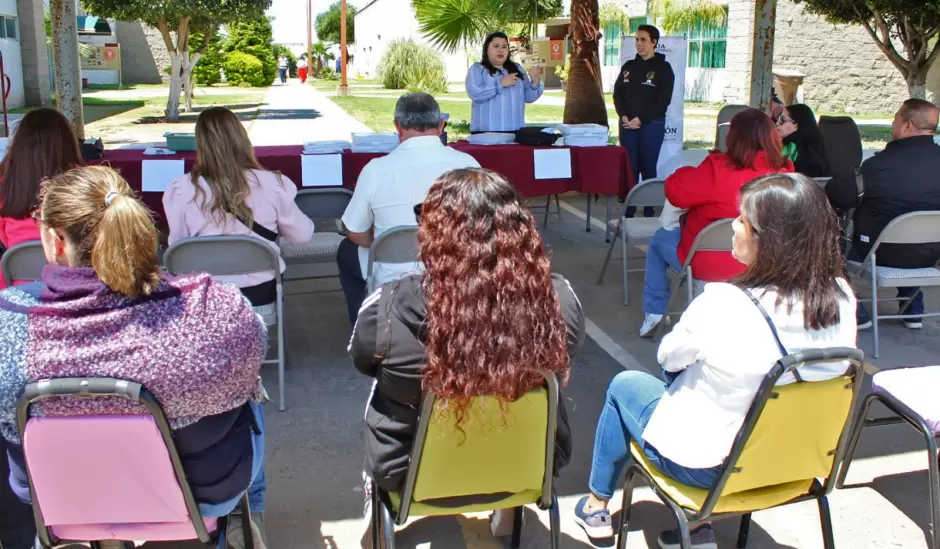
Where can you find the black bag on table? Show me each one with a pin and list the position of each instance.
(534, 136)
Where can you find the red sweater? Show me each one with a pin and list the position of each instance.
(710, 191)
(16, 231)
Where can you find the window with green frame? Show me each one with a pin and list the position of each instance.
(612, 44)
(708, 44)
(635, 23)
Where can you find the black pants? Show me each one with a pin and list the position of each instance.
(17, 528)
(351, 277)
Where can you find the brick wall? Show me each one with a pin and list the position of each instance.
(144, 58)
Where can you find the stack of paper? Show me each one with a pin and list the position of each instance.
(584, 135)
(374, 142)
(492, 138)
(4, 142)
(325, 147)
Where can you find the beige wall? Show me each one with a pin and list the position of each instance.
(143, 54)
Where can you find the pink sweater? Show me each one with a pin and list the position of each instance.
(271, 199)
(16, 231)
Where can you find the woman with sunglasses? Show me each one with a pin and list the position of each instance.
(802, 141)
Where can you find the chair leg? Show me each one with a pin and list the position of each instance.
(744, 530)
(826, 519)
(690, 286)
(558, 207)
(874, 306)
(516, 528)
(610, 251)
(376, 519)
(554, 521)
(853, 439)
(934, 477)
(548, 209)
(281, 344)
(626, 269)
(246, 523)
(388, 526)
(623, 529)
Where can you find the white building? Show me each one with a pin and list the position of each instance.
(12, 52)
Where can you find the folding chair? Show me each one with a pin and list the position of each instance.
(636, 231)
(716, 237)
(487, 464)
(326, 208)
(793, 436)
(547, 207)
(911, 394)
(234, 255)
(108, 477)
(910, 228)
(724, 119)
(23, 262)
(843, 143)
(721, 137)
(396, 245)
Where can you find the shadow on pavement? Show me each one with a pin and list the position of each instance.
(289, 114)
(908, 492)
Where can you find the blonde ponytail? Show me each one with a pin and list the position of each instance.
(111, 230)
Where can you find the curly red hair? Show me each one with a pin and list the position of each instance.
(493, 318)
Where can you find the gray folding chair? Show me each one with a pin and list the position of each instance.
(721, 137)
(635, 231)
(396, 245)
(910, 228)
(23, 262)
(724, 117)
(234, 255)
(716, 237)
(325, 207)
(547, 207)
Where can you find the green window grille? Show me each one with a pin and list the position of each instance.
(612, 44)
(708, 44)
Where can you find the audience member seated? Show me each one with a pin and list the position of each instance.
(387, 191)
(17, 528)
(229, 193)
(899, 180)
(793, 296)
(802, 141)
(707, 193)
(44, 145)
(194, 343)
(488, 279)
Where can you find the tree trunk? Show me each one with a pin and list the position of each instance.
(917, 83)
(584, 99)
(176, 84)
(68, 82)
(179, 54)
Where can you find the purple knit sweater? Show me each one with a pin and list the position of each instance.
(194, 343)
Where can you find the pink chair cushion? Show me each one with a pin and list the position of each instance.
(106, 477)
(916, 388)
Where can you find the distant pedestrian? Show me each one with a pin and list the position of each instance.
(339, 65)
(302, 70)
(282, 68)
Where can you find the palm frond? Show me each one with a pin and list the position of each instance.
(676, 16)
(450, 23)
(611, 12)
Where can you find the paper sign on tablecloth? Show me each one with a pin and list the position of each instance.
(322, 170)
(158, 174)
(552, 163)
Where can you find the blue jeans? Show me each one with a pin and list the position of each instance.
(660, 256)
(258, 485)
(283, 74)
(643, 146)
(631, 399)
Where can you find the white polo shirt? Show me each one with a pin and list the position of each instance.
(388, 189)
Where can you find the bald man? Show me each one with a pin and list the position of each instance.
(903, 178)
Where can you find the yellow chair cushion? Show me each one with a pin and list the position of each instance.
(693, 498)
(419, 509)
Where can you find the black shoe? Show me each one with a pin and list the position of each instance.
(702, 537)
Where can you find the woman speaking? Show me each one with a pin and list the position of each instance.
(642, 94)
(499, 88)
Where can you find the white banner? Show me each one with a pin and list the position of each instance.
(676, 50)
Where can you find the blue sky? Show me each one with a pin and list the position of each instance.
(290, 19)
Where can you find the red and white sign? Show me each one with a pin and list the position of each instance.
(556, 50)
(109, 54)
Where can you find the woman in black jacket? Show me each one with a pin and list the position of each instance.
(483, 319)
(802, 141)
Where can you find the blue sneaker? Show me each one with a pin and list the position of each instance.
(597, 525)
(702, 537)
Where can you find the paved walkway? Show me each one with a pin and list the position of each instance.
(295, 113)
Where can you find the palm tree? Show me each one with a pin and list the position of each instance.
(321, 55)
(584, 100)
(452, 24)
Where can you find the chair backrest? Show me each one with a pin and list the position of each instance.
(323, 204)
(23, 262)
(796, 432)
(499, 449)
(222, 255)
(721, 137)
(843, 143)
(911, 228)
(396, 245)
(651, 192)
(727, 113)
(107, 476)
(715, 237)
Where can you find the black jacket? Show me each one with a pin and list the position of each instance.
(644, 88)
(903, 178)
(387, 344)
(808, 160)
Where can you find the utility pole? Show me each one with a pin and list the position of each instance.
(343, 86)
(310, 38)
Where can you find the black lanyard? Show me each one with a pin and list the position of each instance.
(773, 328)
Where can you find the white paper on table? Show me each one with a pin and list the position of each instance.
(552, 163)
(322, 170)
(158, 174)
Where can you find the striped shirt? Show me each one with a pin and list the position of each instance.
(495, 108)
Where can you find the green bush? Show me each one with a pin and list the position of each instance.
(328, 74)
(208, 70)
(253, 37)
(242, 68)
(412, 66)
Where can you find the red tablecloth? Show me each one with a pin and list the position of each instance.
(595, 170)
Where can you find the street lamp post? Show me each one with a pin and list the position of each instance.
(309, 36)
(343, 86)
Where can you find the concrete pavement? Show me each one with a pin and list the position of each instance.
(294, 113)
